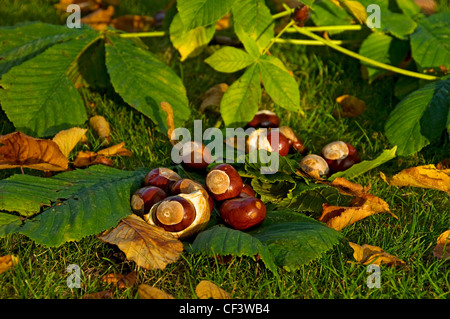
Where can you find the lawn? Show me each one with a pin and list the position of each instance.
(323, 75)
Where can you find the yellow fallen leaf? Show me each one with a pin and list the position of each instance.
(114, 150)
(88, 158)
(364, 205)
(148, 292)
(346, 187)
(442, 248)
(206, 289)
(7, 262)
(148, 246)
(99, 19)
(426, 176)
(368, 254)
(350, 105)
(224, 22)
(20, 150)
(68, 139)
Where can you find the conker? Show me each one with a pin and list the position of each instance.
(144, 198)
(340, 156)
(243, 213)
(161, 177)
(314, 163)
(174, 214)
(282, 147)
(301, 14)
(187, 186)
(260, 139)
(264, 119)
(294, 140)
(195, 155)
(223, 182)
(247, 191)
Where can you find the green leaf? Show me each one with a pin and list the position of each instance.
(189, 43)
(51, 102)
(294, 244)
(90, 201)
(326, 13)
(240, 102)
(226, 241)
(382, 48)
(252, 18)
(144, 82)
(23, 42)
(229, 60)
(285, 239)
(419, 117)
(279, 84)
(430, 45)
(200, 13)
(9, 224)
(365, 166)
(410, 8)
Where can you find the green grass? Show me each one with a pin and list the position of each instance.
(322, 75)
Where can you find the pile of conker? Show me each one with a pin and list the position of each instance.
(183, 206)
(335, 157)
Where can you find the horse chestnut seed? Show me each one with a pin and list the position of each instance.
(224, 182)
(264, 119)
(340, 156)
(243, 213)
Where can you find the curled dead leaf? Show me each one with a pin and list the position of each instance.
(88, 158)
(213, 96)
(68, 139)
(206, 289)
(148, 246)
(166, 107)
(426, 176)
(20, 150)
(364, 205)
(350, 105)
(101, 126)
(120, 280)
(148, 292)
(7, 262)
(368, 254)
(346, 187)
(99, 19)
(442, 248)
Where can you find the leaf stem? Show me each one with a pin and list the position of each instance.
(352, 27)
(311, 42)
(143, 34)
(287, 26)
(363, 58)
(282, 14)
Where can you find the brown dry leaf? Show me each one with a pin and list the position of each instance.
(88, 158)
(166, 107)
(68, 139)
(106, 294)
(351, 106)
(444, 165)
(364, 205)
(148, 292)
(120, 280)
(133, 23)
(346, 187)
(368, 254)
(85, 5)
(206, 289)
(427, 6)
(148, 246)
(99, 19)
(7, 262)
(426, 176)
(20, 150)
(114, 150)
(442, 248)
(213, 96)
(101, 126)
